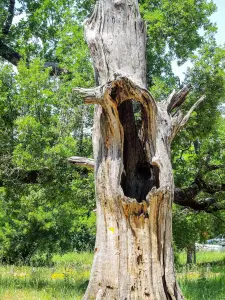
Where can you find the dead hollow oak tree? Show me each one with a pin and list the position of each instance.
(133, 173)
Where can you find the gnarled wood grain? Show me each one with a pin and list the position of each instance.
(133, 173)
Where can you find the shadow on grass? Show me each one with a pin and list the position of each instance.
(83, 286)
(204, 288)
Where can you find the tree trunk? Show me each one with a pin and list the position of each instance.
(194, 250)
(133, 173)
(191, 254)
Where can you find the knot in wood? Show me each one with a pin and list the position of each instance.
(119, 3)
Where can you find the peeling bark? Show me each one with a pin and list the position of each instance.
(183, 197)
(134, 189)
(133, 173)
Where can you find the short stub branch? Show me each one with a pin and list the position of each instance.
(82, 161)
(91, 95)
(118, 91)
(176, 99)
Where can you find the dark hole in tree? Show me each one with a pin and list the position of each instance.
(139, 175)
(113, 93)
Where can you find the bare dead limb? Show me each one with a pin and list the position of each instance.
(176, 99)
(186, 118)
(91, 95)
(82, 161)
(118, 91)
(179, 121)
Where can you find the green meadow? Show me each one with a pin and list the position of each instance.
(206, 279)
(67, 278)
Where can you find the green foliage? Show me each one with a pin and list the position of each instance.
(173, 33)
(208, 78)
(46, 205)
(201, 145)
(190, 227)
(50, 209)
(192, 153)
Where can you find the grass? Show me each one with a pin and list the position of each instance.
(68, 278)
(204, 257)
(206, 279)
(210, 286)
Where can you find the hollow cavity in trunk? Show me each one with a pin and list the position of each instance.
(139, 176)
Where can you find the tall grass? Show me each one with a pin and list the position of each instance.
(68, 277)
(208, 287)
(206, 279)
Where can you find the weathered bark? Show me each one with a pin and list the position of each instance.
(133, 254)
(133, 173)
(185, 197)
(82, 161)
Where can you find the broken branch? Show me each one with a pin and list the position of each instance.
(118, 90)
(91, 95)
(82, 161)
(186, 118)
(177, 99)
(179, 121)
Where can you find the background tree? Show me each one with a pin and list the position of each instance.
(38, 187)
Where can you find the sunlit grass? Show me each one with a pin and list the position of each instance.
(203, 257)
(68, 277)
(197, 286)
(206, 279)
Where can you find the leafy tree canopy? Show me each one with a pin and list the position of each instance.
(45, 200)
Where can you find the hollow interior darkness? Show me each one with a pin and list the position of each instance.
(139, 175)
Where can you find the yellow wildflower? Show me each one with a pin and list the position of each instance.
(58, 276)
(20, 275)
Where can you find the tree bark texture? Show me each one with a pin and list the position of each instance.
(133, 174)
